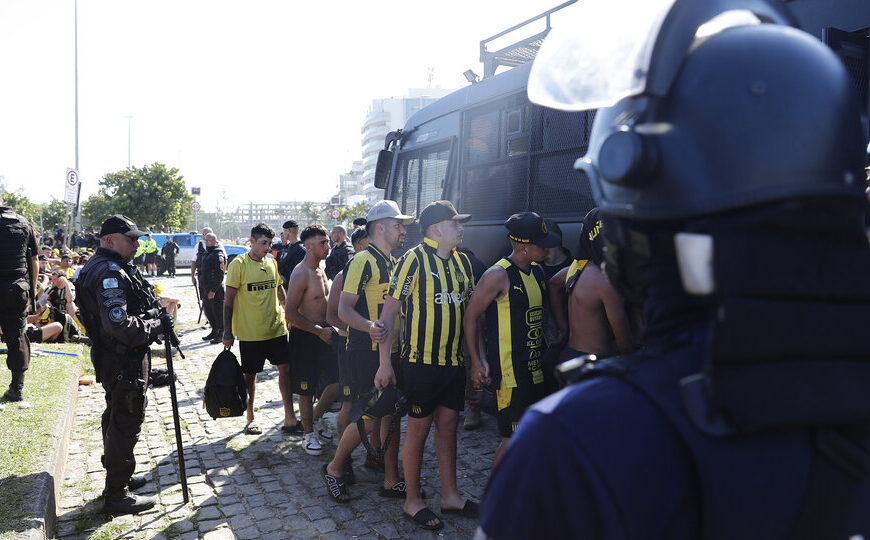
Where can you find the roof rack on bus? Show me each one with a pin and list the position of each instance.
(519, 52)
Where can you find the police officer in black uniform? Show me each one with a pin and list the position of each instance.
(212, 266)
(118, 310)
(19, 266)
(729, 176)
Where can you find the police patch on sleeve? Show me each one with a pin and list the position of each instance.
(110, 283)
(117, 314)
(114, 267)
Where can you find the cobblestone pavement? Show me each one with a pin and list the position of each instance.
(242, 486)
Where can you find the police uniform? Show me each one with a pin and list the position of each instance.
(18, 250)
(114, 298)
(745, 414)
(211, 279)
(169, 251)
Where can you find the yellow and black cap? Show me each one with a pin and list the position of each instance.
(119, 224)
(529, 228)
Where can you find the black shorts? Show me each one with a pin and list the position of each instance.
(345, 374)
(151, 258)
(569, 354)
(512, 403)
(255, 353)
(428, 386)
(365, 366)
(312, 362)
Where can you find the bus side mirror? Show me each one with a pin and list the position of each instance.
(382, 170)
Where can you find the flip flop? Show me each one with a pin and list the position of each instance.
(398, 491)
(470, 510)
(335, 487)
(349, 475)
(423, 517)
(253, 428)
(293, 430)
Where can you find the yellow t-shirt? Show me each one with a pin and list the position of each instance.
(257, 316)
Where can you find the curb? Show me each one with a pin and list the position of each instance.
(42, 509)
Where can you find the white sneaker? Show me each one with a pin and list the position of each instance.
(311, 444)
(323, 431)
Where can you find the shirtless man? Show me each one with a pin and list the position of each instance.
(312, 357)
(598, 322)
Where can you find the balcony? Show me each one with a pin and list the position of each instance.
(375, 118)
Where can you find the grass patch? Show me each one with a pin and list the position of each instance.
(27, 435)
(109, 531)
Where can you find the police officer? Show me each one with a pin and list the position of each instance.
(211, 287)
(728, 173)
(117, 307)
(19, 266)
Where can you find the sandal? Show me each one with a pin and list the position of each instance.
(349, 475)
(293, 430)
(470, 510)
(335, 487)
(423, 517)
(398, 491)
(253, 428)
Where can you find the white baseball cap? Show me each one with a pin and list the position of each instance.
(387, 209)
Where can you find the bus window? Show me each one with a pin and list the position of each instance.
(422, 177)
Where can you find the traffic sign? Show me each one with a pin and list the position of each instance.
(195, 206)
(336, 214)
(71, 187)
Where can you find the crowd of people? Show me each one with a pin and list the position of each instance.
(323, 307)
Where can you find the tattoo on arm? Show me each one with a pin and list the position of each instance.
(228, 322)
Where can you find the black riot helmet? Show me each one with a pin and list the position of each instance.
(749, 114)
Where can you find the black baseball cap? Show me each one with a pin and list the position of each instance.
(119, 224)
(290, 224)
(529, 228)
(438, 211)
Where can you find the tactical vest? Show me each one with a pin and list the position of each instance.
(210, 271)
(14, 234)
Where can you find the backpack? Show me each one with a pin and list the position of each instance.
(225, 394)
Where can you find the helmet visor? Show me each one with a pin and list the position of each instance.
(599, 54)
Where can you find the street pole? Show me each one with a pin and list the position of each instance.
(128, 141)
(76, 70)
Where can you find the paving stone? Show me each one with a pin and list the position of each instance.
(233, 509)
(210, 525)
(250, 533)
(243, 521)
(220, 534)
(315, 512)
(269, 525)
(386, 529)
(209, 512)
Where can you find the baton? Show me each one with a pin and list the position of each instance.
(199, 303)
(182, 472)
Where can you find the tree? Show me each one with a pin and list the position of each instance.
(311, 212)
(152, 196)
(21, 205)
(355, 211)
(53, 213)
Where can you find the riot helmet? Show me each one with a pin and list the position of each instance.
(750, 114)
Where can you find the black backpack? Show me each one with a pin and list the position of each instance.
(225, 394)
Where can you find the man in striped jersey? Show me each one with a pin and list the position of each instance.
(366, 278)
(432, 282)
(512, 295)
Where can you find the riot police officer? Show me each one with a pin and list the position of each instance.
(212, 266)
(19, 266)
(728, 171)
(118, 311)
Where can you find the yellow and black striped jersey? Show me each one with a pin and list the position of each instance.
(367, 275)
(434, 293)
(515, 328)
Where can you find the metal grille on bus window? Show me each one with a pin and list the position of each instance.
(559, 190)
(434, 169)
(857, 68)
(562, 130)
(411, 185)
(495, 191)
(481, 137)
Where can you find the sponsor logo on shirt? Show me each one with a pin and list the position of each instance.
(261, 285)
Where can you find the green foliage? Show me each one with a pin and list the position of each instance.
(22, 205)
(152, 196)
(311, 213)
(53, 214)
(355, 211)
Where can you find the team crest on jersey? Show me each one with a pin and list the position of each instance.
(303, 385)
(345, 390)
(416, 409)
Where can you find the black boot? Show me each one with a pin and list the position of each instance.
(124, 502)
(211, 335)
(135, 482)
(16, 387)
(218, 336)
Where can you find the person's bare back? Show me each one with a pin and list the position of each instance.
(596, 314)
